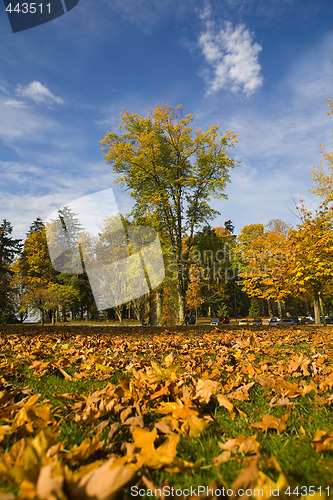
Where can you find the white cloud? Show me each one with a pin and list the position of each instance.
(38, 93)
(278, 142)
(15, 103)
(232, 58)
(21, 122)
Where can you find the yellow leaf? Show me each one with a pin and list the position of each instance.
(205, 389)
(103, 483)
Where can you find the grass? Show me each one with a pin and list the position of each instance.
(124, 356)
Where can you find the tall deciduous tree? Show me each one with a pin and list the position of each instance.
(171, 170)
(310, 271)
(323, 177)
(36, 268)
(263, 252)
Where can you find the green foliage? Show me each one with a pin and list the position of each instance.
(254, 310)
(9, 249)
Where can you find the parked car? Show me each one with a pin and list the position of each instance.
(243, 322)
(295, 319)
(307, 321)
(273, 321)
(225, 320)
(257, 321)
(288, 321)
(328, 320)
(190, 320)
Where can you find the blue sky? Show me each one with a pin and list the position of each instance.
(261, 68)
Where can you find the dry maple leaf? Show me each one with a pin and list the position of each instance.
(205, 389)
(148, 455)
(241, 444)
(163, 427)
(156, 373)
(242, 393)
(247, 479)
(194, 426)
(79, 454)
(323, 441)
(103, 483)
(270, 422)
(223, 457)
(232, 409)
(50, 482)
(177, 409)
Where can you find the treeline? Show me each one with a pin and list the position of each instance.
(264, 271)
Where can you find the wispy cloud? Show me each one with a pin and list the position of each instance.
(38, 93)
(19, 121)
(35, 191)
(231, 55)
(15, 103)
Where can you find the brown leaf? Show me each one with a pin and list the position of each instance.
(113, 430)
(50, 482)
(79, 454)
(242, 393)
(163, 427)
(323, 441)
(177, 409)
(270, 422)
(247, 479)
(241, 444)
(223, 457)
(103, 483)
(148, 455)
(206, 389)
(223, 401)
(135, 421)
(194, 425)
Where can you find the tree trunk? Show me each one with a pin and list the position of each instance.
(181, 306)
(321, 307)
(269, 305)
(158, 307)
(316, 307)
(118, 310)
(279, 308)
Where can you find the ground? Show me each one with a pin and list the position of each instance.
(96, 412)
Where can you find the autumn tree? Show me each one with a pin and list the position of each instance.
(194, 298)
(171, 171)
(323, 177)
(213, 250)
(310, 271)
(36, 269)
(263, 250)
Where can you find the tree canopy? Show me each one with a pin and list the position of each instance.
(171, 171)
